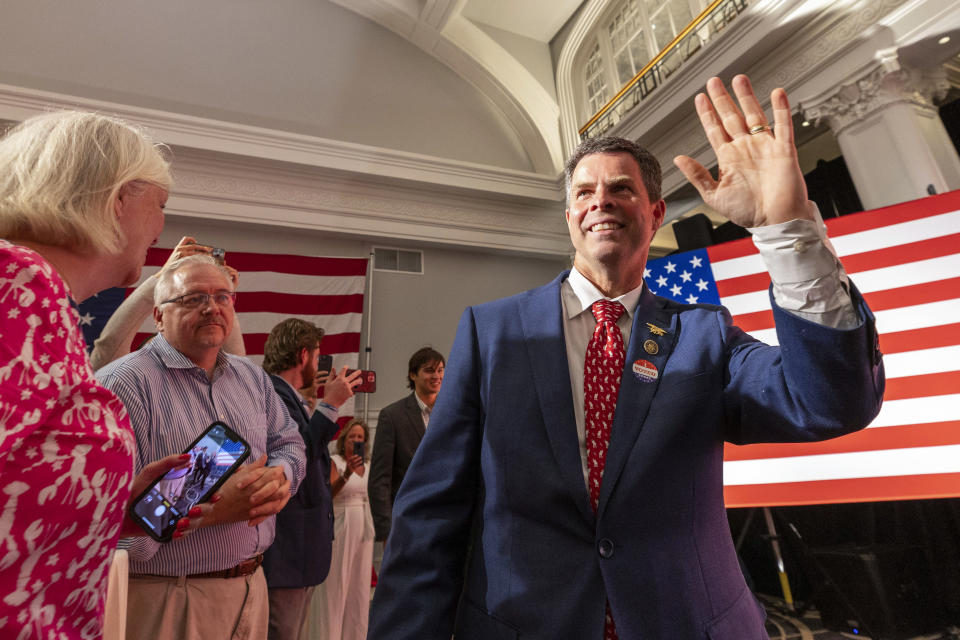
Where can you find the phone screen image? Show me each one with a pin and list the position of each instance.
(358, 448)
(213, 457)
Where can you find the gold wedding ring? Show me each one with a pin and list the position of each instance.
(760, 128)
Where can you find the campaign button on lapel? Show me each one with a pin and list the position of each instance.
(645, 371)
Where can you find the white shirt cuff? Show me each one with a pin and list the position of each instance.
(808, 279)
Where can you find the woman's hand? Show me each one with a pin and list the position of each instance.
(354, 465)
(143, 480)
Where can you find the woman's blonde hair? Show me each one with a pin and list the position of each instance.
(60, 174)
(342, 440)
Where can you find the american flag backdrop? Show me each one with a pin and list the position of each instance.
(326, 291)
(905, 259)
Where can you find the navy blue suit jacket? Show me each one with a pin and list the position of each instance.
(300, 553)
(493, 534)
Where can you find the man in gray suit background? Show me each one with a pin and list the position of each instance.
(400, 428)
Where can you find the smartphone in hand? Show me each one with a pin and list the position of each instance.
(324, 363)
(358, 448)
(368, 381)
(214, 455)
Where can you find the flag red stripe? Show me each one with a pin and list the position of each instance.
(732, 249)
(914, 294)
(295, 304)
(898, 437)
(894, 214)
(922, 293)
(944, 335)
(755, 320)
(891, 256)
(934, 485)
(332, 343)
(282, 263)
(923, 386)
(743, 284)
(901, 254)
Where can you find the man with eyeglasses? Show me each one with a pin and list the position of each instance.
(211, 584)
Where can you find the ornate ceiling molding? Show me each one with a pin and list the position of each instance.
(17, 103)
(886, 83)
(439, 29)
(211, 186)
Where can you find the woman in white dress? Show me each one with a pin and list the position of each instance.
(341, 604)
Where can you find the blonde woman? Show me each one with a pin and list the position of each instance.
(342, 603)
(81, 200)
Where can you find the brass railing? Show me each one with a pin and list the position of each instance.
(711, 20)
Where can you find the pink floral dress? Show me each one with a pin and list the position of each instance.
(66, 460)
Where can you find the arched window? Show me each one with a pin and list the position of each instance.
(630, 35)
(595, 80)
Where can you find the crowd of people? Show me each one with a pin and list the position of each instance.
(564, 437)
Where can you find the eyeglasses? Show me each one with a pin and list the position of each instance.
(200, 300)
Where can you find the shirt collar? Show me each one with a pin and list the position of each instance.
(421, 403)
(296, 391)
(585, 293)
(173, 359)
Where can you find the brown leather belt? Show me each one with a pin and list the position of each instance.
(245, 568)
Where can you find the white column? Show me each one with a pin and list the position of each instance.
(890, 132)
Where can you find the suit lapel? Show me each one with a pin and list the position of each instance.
(637, 391)
(415, 416)
(281, 386)
(541, 319)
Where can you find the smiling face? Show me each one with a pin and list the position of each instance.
(139, 209)
(611, 221)
(200, 332)
(428, 379)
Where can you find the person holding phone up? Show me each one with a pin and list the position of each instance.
(210, 583)
(300, 556)
(341, 605)
(116, 339)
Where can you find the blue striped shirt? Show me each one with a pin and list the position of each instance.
(170, 402)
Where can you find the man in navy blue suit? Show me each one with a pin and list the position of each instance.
(497, 531)
(299, 558)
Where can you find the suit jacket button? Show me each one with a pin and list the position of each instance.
(605, 547)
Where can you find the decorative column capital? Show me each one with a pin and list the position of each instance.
(886, 82)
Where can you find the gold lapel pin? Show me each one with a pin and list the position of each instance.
(655, 330)
(651, 347)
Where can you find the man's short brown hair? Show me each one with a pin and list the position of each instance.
(282, 349)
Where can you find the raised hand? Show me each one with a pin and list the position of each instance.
(338, 387)
(186, 247)
(759, 179)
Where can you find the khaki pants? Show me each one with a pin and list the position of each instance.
(160, 608)
(288, 612)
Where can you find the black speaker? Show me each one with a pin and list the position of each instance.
(881, 591)
(695, 232)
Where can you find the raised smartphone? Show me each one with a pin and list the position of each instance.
(368, 381)
(214, 455)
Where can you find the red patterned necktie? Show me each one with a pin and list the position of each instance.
(601, 386)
